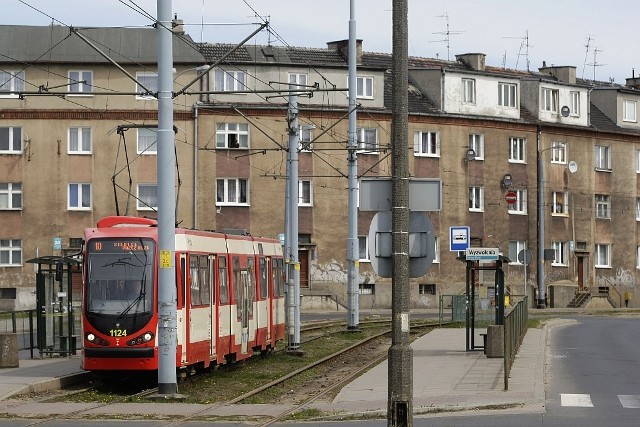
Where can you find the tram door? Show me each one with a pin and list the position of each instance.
(244, 283)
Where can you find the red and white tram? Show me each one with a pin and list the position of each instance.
(230, 296)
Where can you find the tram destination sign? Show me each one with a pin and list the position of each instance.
(482, 254)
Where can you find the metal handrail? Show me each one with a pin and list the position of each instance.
(515, 328)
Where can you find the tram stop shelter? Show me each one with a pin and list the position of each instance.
(58, 298)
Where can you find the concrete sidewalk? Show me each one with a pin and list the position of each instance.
(446, 378)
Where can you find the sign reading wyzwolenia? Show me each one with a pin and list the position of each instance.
(482, 254)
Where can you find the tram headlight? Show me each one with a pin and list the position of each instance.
(91, 337)
(148, 336)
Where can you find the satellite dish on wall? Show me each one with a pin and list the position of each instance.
(565, 111)
(573, 167)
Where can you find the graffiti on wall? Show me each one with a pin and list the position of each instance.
(622, 277)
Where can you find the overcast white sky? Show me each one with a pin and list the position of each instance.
(558, 30)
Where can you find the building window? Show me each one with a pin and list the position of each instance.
(517, 150)
(79, 197)
(637, 161)
(10, 252)
(363, 248)
(603, 157)
(603, 206)
(476, 143)
(305, 193)
(637, 208)
(426, 289)
(80, 141)
(559, 203)
(147, 139)
(364, 87)
(147, 197)
(507, 94)
(11, 82)
(629, 111)
(426, 144)
(10, 140)
(637, 256)
(367, 140)
(436, 257)
(469, 91)
(560, 250)
(520, 205)
(299, 79)
(229, 81)
(150, 82)
(515, 246)
(575, 104)
(549, 100)
(232, 135)
(305, 134)
(476, 199)
(367, 288)
(232, 191)
(81, 82)
(10, 195)
(559, 152)
(603, 255)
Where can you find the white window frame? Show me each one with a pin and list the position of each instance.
(637, 208)
(298, 79)
(423, 287)
(429, 147)
(80, 82)
(560, 203)
(367, 289)
(603, 206)
(364, 87)
(147, 141)
(11, 83)
(363, 245)
(229, 81)
(150, 80)
(240, 195)
(517, 149)
(476, 198)
(239, 131)
(603, 157)
(575, 103)
(468, 91)
(436, 257)
(12, 192)
(363, 136)
(305, 192)
(560, 258)
(549, 100)
(638, 256)
(11, 139)
(629, 111)
(520, 205)
(10, 249)
(602, 255)
(80, 140)
(145, 201)
(559, 152)
(518, 245)
(507, 94)
(476, 143)
(82, 193)
(305, 138)
(637, 161)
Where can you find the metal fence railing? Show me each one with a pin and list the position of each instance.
(515, 327)
(23, 324)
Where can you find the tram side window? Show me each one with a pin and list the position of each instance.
(252, 286)
(223, 280)
(264, 283)
(237, 286)
(205, 283)
(278, 277)
(199, 280)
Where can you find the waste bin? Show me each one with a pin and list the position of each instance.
(9, 350)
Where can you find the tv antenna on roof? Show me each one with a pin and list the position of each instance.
(595, 62)
(586, 53)
(447, 34)
(523, 44)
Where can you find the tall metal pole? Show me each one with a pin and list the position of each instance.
(294, 262)
(353, 253)
(400, 405)
(542, 297)
(167, 318)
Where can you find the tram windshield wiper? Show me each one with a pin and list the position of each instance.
(121, 261)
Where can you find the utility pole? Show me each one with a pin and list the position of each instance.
(353, 253)
(400, 405)
(167, 317)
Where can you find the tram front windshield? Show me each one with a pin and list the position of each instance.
(120, 276)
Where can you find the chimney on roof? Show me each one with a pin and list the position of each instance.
(342, 46)
(178, 25)
(473, 60)
(565, 74)
(633, 82)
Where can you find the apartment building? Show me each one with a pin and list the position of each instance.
(77, 143)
